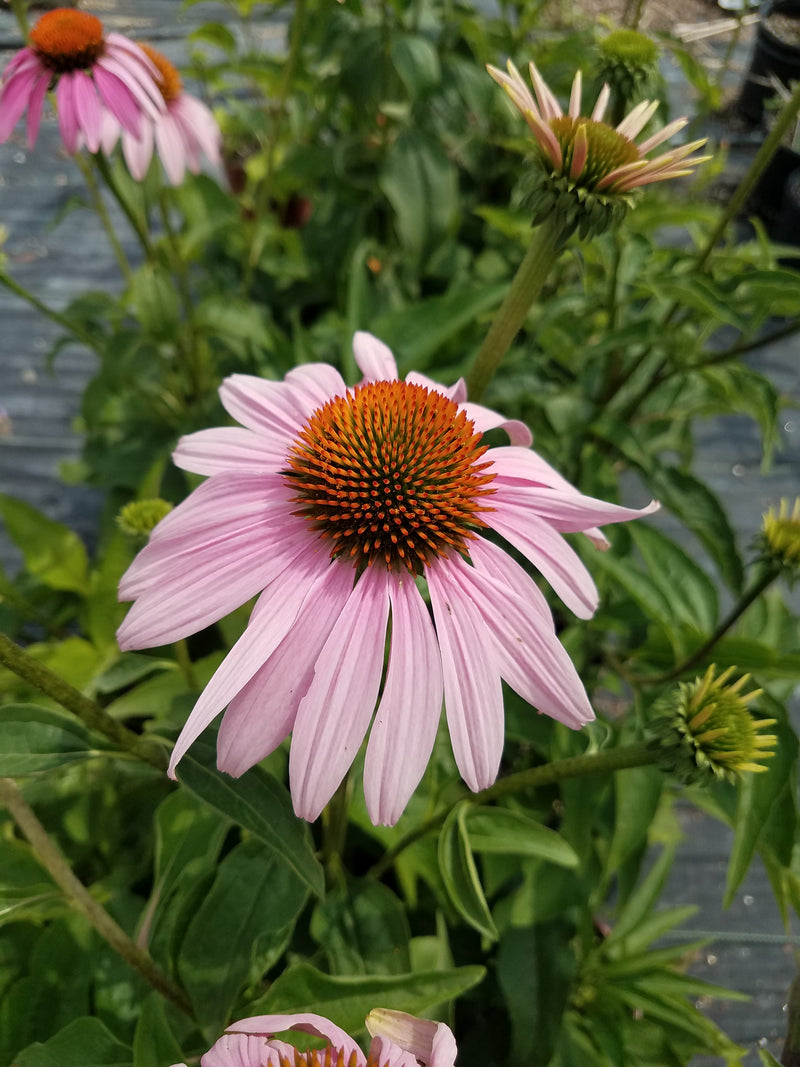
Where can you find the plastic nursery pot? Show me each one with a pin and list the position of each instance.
(776, 52)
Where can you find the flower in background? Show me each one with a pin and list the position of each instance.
(332, 503)
(94, 74)
(398, 1040)
(182, 133)
(587, 166)
(705, 732)
(780, 537)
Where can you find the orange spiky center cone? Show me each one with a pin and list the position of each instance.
(65, 39)
(390, 473)
(168, 80)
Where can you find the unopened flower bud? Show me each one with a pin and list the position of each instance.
(139, 518)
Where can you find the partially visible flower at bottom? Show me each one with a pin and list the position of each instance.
(398, 1040)
(334, 504)
(705, 732)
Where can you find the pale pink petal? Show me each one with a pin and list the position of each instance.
(242, 1050)
(230, 449)
(485, 419)
(387, 1054)
(374, 358)
(262, 405)
(334, 714)
(266, 630)
(404, 730)
(569, 512)
(199, 124)
(118, 98)
(35, 107)
(138, 151)
(548, 141)
(431, 1044)
(68, 110)
(457, 393)
(523, 466)
(602, 103)
(636, 121)
(548, 105)
(312, 385)
(530, 657)
(87, 107)
(495, 562)
(110, 131)
(662, 135)
(25, 59)
(518, 92)
(473, 695)
(15, 97)
(575, 96)
(307, 1023)
(580, 152)
(262, 714)
(549, 553)
(135, 69)
(170, 147)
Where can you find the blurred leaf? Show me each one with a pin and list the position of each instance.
(687, 589)
(154, 1044)
(215, 33)
(363, 929)
(348, 1000)
(155, 302)
(416, 61)
(83, 1043)
(260, 804)
(421, 184)
(513, 833)
(239, 930)
(52, 552)
(460, 875)
(34, 739)
(637, 792)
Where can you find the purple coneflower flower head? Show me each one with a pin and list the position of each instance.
(94, 74)
(182, 134)
(582, 153)
(343, 507)
(398, 1040)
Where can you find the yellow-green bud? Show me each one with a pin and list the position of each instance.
(139, 518)
(628, 63)
(780, 536)
(705, 731)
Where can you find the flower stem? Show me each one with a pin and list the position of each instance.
(20, 9)
(525, 288)
(57, 688)
(607, 761)
(138, 224)
(747, 598)
(61, 873)
(48, 313)
(103, 215)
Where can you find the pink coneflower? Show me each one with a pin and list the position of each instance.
(183, 132)
(93, 74)
(398, 1040)
(334, 503)
(587, 151)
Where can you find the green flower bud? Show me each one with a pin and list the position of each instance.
(139, 518)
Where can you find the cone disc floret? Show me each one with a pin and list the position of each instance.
(65, 39)
(390, 472)
(706, 732)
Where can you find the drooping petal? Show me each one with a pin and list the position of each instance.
(374, 358)
(569, 512)
(87, 108)
(67, 111)
(404, 730)
(313, 385)
(430, 1043)
(138, 152)
(262, 713)
(240, 1050)
(229, 450)
(263, 635)
(472, 691)
(306, 1023)
(170, 147)
(35, 107)
(549, 553)
(334, 714)
(119, 99)
(261, 405)
(15, 97)
(485, 419)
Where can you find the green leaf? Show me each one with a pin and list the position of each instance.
(513, 833)
(760, 800)
(637, 792)
(156, 303)
(363, 929)
(239, 931)
(348, 1000)
(83, 1043)
(641, 902)
(260, 804)
(687, 589)
(52, 552)
(416, 61)
(215, 33)
(34, 739)
(421, 184)
(767, 1058)
(154, 1043)
(460, 874)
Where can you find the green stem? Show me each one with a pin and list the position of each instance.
(608, 761)
(265, 189)
(525, 288)
(138, 224)
(43, 309)
(53, 685)
(334, 832)
(102, 211)
(185, 663)
(20, 9)
(61, 873)
(188, 345)
(747, 598)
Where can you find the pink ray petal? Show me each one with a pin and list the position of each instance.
(374, 358)
(633, 124)
(514, 86)
(549, 553)
(36, 107)
(472, 691)
(404, 730)
(138, 151)
(265, 632)
(25, 59)
(68, 111)
(522, 466)
(494, 561)
(87, 107)
(262, 714)
(334, 714)
(14, 98)
(307, 1023)
(548, 105)
(569, 512)
(230, 449)
(200, 123)
(262, 405)
(547, 140)
(457, 393)
(312, 385)
(429, 1043)
(662, 135)
(119, 99)
(575, 96)
(600, 106)
(170, 147)
(485, 419)
(580, 152)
